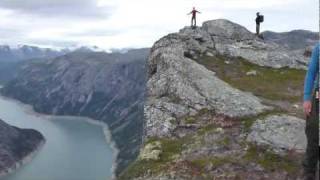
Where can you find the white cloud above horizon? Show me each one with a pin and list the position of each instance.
(137, 23)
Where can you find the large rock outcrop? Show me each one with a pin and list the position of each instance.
(198, 124)
(102, 86)
(16, 146)
(178, 86)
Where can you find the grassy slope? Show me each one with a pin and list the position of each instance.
(275, 84)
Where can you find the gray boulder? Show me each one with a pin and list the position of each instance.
(225, 29)
(234, 40)
(280, 132)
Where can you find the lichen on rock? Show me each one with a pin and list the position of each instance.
(151, 151)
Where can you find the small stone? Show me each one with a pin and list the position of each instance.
(219, 130)
(251, 73)
(209, 54)
(296, 106)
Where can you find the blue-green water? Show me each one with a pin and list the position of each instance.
(74, 149)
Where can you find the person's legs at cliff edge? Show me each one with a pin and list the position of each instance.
(257, 29)
(312, 132)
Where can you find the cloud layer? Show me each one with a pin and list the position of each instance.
(56, 8)
(136, 23)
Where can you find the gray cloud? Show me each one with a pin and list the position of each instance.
(56, 8)
(96, 33)
(11, 32)
(56, 43)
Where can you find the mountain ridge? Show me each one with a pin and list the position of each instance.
(294, 40)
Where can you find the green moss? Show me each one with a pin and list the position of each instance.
(190, 120)
(196, 118)
(151, 140)
(271, 161)
(206, 129)
(274, 84)
(205, 111)
(173, 121)
(214, 161)
(202, 163)
(226, 141)
(248, 121)
(170, 148)
(139, 168)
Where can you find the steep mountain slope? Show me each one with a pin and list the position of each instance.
(16, 146)
(105, 87)
(8, 70)
(219, 106)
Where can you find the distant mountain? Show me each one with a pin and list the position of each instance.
(297, 39)
(11, 58)
(89, 49)
(24, 52)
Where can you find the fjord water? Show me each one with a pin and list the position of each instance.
(74, 149)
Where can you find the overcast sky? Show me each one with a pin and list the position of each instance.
(137, 23)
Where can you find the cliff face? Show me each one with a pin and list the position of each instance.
(16, 145)
(105, 87)
(8, 71)
(218, 101)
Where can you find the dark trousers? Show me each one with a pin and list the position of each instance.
(193, 21)
(257, 29)
(312, 131)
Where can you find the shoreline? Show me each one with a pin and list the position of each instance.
(105, 128)
(24, 161)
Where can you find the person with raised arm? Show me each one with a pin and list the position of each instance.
(194, 18)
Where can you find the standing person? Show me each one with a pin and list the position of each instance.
(194, 19)
(259, 19)
(311, 110)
